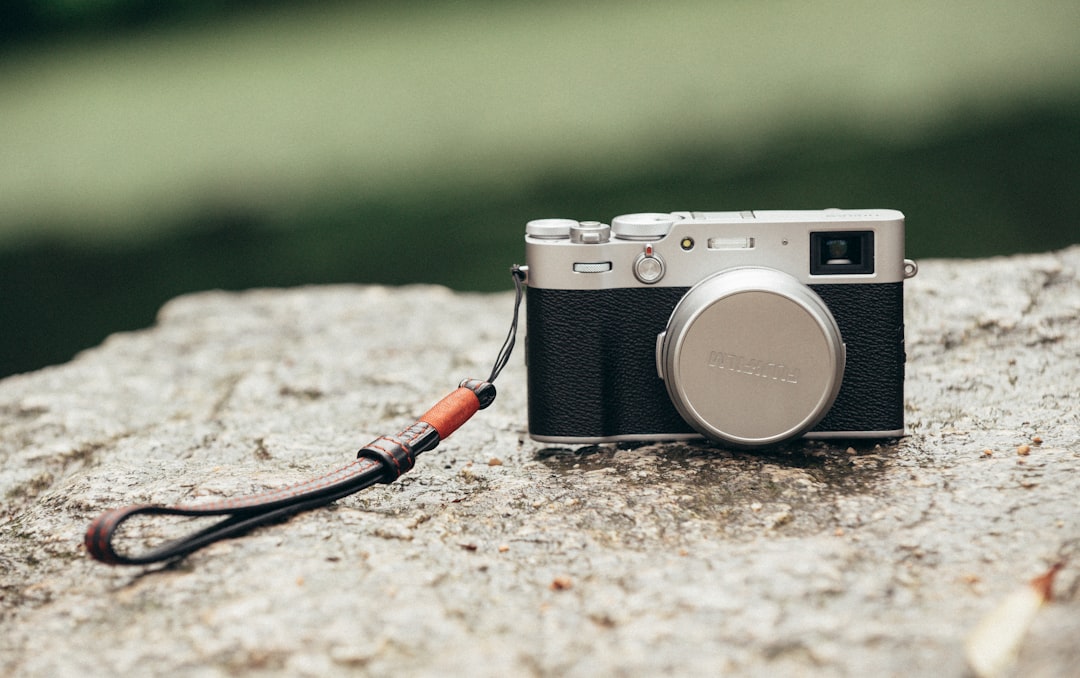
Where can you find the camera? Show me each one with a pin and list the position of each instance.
(748, 328)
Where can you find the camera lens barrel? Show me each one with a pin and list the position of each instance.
(751, 357)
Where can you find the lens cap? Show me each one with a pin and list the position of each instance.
(751, 357)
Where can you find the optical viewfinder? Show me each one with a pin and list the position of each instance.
(841, 253)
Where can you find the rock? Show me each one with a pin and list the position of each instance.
(683, 559)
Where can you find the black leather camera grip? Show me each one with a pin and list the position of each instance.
(871, 320)
(592, 362)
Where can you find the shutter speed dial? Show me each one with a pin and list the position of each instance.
(649, 266)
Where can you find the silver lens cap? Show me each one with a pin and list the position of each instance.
(751, 357)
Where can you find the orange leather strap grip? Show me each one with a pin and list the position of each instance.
(452, 411)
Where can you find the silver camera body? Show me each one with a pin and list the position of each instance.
(749, 328)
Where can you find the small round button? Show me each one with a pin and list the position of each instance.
(648, 268)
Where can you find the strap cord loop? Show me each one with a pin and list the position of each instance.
(383, 460)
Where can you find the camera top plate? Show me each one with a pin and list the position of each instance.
(690, 246)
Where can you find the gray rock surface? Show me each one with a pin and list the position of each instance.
(501, 556)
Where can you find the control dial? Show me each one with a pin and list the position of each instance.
(643, 226)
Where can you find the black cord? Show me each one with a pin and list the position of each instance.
(508, 345)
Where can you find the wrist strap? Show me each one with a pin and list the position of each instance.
(381, 461)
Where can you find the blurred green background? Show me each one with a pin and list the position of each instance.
(149, 149)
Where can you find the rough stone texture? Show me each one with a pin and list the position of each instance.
(501, 556)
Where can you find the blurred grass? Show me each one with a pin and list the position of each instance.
(410, 142)
(377, 100)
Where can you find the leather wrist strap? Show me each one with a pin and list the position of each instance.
(381, 461)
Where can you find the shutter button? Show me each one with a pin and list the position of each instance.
(649, 267)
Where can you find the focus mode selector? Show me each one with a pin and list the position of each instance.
(649, 267)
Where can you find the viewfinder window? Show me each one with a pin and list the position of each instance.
(841, 252)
